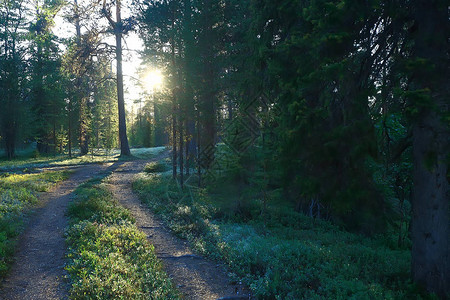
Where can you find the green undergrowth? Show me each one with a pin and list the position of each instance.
(156, 167)
(285, 254)
(18, 194)
(109, 258)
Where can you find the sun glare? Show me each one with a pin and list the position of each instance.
(153, 80)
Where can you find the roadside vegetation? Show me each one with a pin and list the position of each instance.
(109, 258)
(277, 251)
(18, 194)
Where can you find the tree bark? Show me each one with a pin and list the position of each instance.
(118, 30)
(69, 131)
(174, 140)
(174, 101)
(181, 150)
(430, 220)
(124, 147)
(82, 100)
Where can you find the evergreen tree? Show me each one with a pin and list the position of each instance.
(119, 29)
(45, 63)
(13, 105)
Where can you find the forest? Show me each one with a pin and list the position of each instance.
(303, 144)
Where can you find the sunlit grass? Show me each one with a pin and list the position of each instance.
(109, 258)
(96, 156)
(18, 194)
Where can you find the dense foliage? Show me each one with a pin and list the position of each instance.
(55, 92)
(341, 105)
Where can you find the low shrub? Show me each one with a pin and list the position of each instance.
(283, 254)
(109, 258)
(155, 167)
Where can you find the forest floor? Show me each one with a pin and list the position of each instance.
(38, 271)
(195, 276)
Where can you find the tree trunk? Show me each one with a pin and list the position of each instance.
(190, 132)
(430, 220)
(42, 140)
(174, 141)
(180, 126)
(10, 141)
(124, 147)
(199, 145)
(84, 145)
(174, 101)
(158, 140)
(69, 131)
(54, 134)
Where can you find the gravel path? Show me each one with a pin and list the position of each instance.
(38, 271)
(195, 276)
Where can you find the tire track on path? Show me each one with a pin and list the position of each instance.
(195, 276)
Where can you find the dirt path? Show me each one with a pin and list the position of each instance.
(39, 267)
(195, 276)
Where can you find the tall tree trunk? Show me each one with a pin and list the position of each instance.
(431, 221)
(77, 22)
(84, 142)
(42, 142)
(181, 150)
(82, 100)
(118, 31)
(54, 134)
(199, 148)
(10, 141)
(189, 143)
(124, 147)
(69, 131)
(174, 140)
(157, 131)
(174, 100)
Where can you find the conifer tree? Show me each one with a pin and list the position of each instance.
(45, 63)
(119, 30)
(12, 75)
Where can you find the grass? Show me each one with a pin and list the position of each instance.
(156, 167)
(282, 254)
(18, 194)
(31, 160)
(109, 258)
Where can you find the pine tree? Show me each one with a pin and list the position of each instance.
(119, 30)
(45, 63)
(12, 75)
